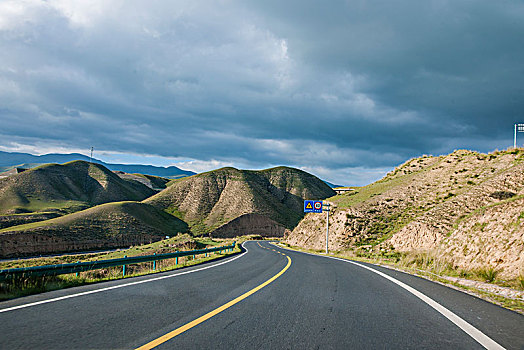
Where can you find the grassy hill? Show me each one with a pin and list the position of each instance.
(466, 208)
(109, 225)
(66, 188)
(209, 200)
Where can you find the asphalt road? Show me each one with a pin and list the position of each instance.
(303, 302)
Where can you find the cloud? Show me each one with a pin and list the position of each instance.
(353, 87)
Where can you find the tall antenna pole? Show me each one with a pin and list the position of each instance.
(515, 137)
(91, 158)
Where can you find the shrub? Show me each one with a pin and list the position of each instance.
(488, 274)
(464, 273)
(521, 281)
(501, 195)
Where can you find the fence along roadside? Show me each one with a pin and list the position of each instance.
(54, 270)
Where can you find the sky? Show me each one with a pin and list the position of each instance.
(346, 90)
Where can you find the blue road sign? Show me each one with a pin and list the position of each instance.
(312, 206)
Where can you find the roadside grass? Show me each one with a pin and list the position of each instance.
(33, 285)
(19, 287)
(432, 267)
(488, 273)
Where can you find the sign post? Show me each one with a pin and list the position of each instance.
(518, 128)
(327, 227)
(319, 207)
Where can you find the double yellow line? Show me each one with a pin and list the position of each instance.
(210, 314)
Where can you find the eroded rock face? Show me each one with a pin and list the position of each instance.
(466, 207)
(250, 224)
(311, 232)
(18, 244)
(491, 237)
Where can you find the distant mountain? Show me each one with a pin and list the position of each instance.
(9, 160)
(66, 188)
(264, 202)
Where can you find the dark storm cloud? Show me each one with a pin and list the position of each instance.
(339, 88)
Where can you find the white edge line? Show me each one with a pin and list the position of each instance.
(120, 285)
(473, 332)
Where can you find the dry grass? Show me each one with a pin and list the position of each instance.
(23, 286)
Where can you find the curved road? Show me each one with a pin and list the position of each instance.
(265, 298)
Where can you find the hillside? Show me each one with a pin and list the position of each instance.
(155, 183)
(213, 199)
(9, 160)
(65, 188)
(109, 225)
(466, 207)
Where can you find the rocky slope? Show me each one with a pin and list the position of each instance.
(209, 200)
(466, 207)
(109, 225)
(155, 183)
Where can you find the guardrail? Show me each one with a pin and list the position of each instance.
(53, 270)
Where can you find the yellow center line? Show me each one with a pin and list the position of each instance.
(210, 314)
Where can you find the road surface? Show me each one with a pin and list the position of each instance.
(265, 298)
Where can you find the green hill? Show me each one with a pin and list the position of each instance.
(66, 188)
(109, 225)
(209, 200)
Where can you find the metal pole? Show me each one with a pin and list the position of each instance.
(327, 229)
(515, 137)
(91, 158)
(154, 263)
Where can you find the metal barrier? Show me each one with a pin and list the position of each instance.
(53, 270)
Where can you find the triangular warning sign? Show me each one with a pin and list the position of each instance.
(309, 206)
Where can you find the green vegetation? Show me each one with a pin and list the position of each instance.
(110, 225)
(103, 217)
(383, 227)
(26, 286)
(487, 274)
